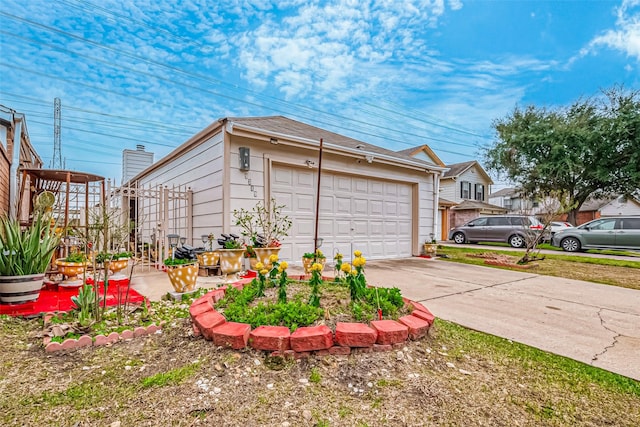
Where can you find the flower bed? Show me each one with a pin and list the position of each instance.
(378, 335)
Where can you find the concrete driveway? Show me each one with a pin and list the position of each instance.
(593, 323)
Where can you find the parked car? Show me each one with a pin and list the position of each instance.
(555, 226)
(605, 233)
(513, 229)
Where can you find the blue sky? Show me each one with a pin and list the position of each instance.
(392, 73)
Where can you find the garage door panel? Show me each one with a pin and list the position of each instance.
(303, 227)
(325, 227)
(404, 228)
(283, 177)
(343, 227)
(376, 249)
(342, 183)
(305, 179)
(361, 228)
(343, 205)
(327, 204)
(376, 228)
(376, 188)
(376, 207)
(390, 208)
(360, 207)
(285, 199)
(360, 186)
(304, 203)
(404, 209)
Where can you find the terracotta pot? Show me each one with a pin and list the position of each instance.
(20, 289)
(117, 265)
(231, 260)
(71, 270)
(430, 248)
(263, 254)
(308, 262)
(183, 277)
(209, 258)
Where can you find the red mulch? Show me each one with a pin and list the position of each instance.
(57, 298)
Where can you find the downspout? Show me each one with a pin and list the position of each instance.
(436, 200)
(18, 119)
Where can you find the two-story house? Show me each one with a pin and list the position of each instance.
(463, 190)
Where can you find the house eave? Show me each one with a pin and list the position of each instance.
(238, 129)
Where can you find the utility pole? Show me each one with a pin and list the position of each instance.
(56, 161)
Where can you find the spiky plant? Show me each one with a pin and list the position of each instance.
(29, 250)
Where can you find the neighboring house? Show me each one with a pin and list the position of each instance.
(514, 202)
(510, 199)
(371, 199)
(468, 185)
(463, 190)
(607, 207)
(15, 151)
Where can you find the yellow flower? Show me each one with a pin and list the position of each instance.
(346, 267)
(319, 253)
(338, 256)
(264, 271)
(316, 266)
(284, 265)
(359, 261)
(273, 258)
(259, 266)
(357, 253)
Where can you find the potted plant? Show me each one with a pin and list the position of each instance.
(208, 257)
(25, 255)
(72, 266)
(310, 258)
(231, 253)
(430, 247)
(183, 273)
(265, 225)
(114, 263)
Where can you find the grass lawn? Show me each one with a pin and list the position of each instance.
(600, 270)
(454, 377)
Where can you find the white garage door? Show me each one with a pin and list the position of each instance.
(356, 213)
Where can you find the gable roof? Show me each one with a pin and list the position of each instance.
(414, 151)
(476, 204)
(505, 192)
(284, 127)
(595, 204)
(280, 127)
(457, 169)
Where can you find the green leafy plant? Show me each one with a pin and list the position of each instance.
(315, 282)
(265, 224)
(77, 257)
(84, 303)
(28, 251)
(176, 261)
(233, 244)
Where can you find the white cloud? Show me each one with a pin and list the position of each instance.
(626, 36)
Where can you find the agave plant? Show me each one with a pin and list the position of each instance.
(26, 251)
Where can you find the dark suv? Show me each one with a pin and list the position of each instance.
(513, 229)
(622, 232)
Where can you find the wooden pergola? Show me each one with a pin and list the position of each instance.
(58, 182)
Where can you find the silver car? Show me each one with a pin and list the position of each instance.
(605, 233)
(516, 230)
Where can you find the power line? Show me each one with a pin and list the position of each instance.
(208, 79)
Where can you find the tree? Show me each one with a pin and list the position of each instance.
(590, 149)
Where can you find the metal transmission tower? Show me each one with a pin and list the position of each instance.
(56, 161)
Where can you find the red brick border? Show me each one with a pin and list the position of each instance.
(99, 340)
(381, 335)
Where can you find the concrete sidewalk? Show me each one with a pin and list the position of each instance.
(593, 323)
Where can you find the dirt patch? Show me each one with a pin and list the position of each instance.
(441, 380)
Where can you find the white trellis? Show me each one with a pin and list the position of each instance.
(153, 212)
